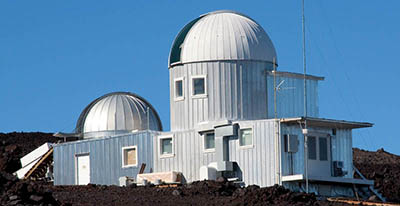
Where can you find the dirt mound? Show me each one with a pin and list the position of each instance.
(196, 193)
(382, 167)
(15, 145)
(17, 192)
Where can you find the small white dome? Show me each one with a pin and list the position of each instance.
(222, 35)
(115, 113)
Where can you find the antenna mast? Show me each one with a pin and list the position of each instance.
(305, 98)
(275, 106)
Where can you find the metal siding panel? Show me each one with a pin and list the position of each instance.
(240, 98)
(106, 158)
(290, 101)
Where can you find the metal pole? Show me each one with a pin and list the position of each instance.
(277, 151)
(305, 96)
(148, 118)
(275, 110)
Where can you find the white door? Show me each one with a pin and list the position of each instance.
(83, 169)
(319, 155)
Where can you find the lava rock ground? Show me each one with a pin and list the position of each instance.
(381, 166)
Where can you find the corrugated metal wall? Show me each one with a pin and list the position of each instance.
(258, 164)
(236, 90)
(341, 148)
(105, 158)
(290, 97)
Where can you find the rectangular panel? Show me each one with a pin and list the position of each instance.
(312, 148)
(83, 169)
(323, 149)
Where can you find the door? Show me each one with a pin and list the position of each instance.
(319, 155)
(83, 169)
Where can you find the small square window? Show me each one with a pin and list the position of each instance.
(246, 137)
(179, 89)
(129, 155)
(166, 146)
(312, 148)
(209, 141)
(198, 86)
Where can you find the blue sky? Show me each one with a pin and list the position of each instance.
(58, 56)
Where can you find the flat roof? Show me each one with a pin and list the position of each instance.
(295, 75)
(331, 123)
(343, 180)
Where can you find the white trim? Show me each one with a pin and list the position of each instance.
(205, 150)
(160, 138)
(205, 86)
(123, 156)
(252, 137)
(183, 89)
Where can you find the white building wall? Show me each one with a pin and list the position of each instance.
(341, 149)
(258, 163)
(290, 97)
(236, 90)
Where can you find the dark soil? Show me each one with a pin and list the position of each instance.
(16, 192)
(382, 167)
(196, 193)
(15, 145)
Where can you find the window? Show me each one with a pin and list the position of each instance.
(129, 156)
(179, 89)
(209, 141)
(246, 137)
(312, 148)
(199, 88)
(290, 143)
(166, 146)
(323, 149)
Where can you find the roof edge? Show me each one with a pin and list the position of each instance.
(322, 122)
(296, 75)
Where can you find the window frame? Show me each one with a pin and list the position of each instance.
(123, 156)
(192, 86)
(252, 137)
(204, 135)
(180, 98)
(160, 153)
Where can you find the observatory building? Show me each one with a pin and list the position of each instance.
(230, 117)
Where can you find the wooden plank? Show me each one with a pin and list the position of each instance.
(167, 185)
(43, 159)
(142, 168)
(356, 202)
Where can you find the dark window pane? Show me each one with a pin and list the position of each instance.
(312, 150)
(323, 149)
(198, 86)
(285, 142)
(210, 141)
(178, 89)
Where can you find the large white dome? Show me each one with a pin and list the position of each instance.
(115, 113)
(222, 35)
